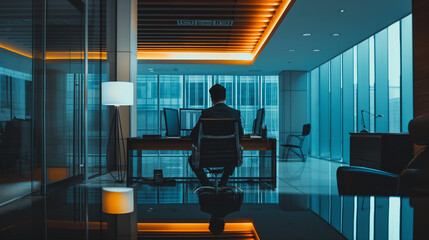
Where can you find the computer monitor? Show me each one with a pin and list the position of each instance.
(189, 117)
(172, 122)
(258, 122)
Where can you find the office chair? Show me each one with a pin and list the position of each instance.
(218, 147)
(412, 181)
(295, 147)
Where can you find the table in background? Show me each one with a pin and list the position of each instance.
(389, 152)
(249, 144)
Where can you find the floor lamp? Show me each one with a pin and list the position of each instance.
(116, 94)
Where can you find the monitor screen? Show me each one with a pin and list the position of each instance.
(189, 117)
(258, 122)
(172, 122)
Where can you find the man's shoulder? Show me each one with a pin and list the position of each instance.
(222, 107)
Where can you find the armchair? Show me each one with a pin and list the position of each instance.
(412, 181)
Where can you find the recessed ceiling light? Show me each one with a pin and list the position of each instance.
(342, 10)
(306, 34)
(291, 50)
(335, 34)
(316, 50)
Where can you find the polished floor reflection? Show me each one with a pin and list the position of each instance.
(305, 205)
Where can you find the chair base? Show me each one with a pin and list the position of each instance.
(217, 189)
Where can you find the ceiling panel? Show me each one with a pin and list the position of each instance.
(210, 26)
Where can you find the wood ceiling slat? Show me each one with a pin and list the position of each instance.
(144, 41)
(204, 3)
(174, 24)
(212, 8)
(199, 29)
(143, 19)
(196, 44)
(158, 29)
(202, 16)
(191, 46)
(178, 34)
(196, 37)
(192, 50)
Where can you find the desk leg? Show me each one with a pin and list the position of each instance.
(129, 167)
(274, 165)
(139, 163)
(263, 166)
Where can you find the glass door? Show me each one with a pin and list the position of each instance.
(15, 99)
(64, 90)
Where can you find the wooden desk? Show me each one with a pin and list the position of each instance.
(389, 152)
(249, 144)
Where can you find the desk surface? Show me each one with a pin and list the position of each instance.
(186, 144)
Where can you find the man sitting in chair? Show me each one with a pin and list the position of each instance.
(219, 110)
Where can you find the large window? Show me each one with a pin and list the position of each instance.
(375, 76)
(245, 93)
(156, 92)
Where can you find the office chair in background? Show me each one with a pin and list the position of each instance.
(289, 146)
(218, 148)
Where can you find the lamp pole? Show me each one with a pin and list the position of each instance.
(116, 94)
(364, 130)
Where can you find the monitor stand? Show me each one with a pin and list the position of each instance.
(172, 137)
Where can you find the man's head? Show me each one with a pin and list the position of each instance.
(217, 93)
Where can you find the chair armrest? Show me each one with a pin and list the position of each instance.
(414, 182)
(290, 136)
(366, 181)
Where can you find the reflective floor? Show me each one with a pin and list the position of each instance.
(305, 205)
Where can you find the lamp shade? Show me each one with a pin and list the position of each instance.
(117, 200)
(117, 93)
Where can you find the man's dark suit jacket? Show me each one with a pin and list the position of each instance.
(220, 110)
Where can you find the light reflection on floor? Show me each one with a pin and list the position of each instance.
(306, 193)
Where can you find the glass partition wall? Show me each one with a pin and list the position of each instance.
(42, 62)
(16, 88)
(374, 76)
(64, 90)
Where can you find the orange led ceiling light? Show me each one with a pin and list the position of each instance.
(207, 31)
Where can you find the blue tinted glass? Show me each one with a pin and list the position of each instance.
(348, 101)
(394, 50)
(270, 92)
(363, 84)
(336, 130)
(315, 118)
(382, 82)
(147, 105)
(325, 121)
(407, 71)
(371, 85)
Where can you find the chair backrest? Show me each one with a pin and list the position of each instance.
(419, 133)
(306, 129)
(419, 130)
(218, 143)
